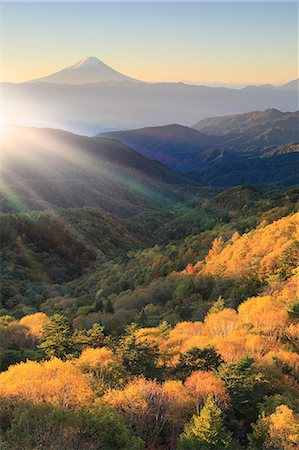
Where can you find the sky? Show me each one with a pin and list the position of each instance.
(203, 42)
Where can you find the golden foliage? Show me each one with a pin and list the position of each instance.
(221, 323)
(263, 314)
(95, 358)
(257, 254)
(35, 323)
(54, 381)
(284, 429)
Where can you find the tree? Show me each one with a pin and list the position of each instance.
(206, 431)
(35, 323)
(24, 425)
(93, 338)
(144, 406)
(246, 386)
(57, 337)
(219, 305)
(221, 323)
(264, 314)
(57, 382)
(139, 357)
(203, 384)
(280, 430)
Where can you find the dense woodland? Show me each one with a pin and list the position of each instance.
(175, 328)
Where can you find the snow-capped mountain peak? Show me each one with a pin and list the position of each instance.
(87, 70)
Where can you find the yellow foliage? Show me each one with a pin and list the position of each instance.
(131, 400)
(264, 314)
(35, 323)
(55, 381)
(221, 323)
(188, 328)
(257, 345)
(257, 253)
(196, 341)
(95, 358)
(176, 393)
(231, 348)
(284, 429)
(289, 358)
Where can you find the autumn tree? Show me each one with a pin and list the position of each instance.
(279, 431)
(105, 368)
(264, 315)
(221, 323)
(35, 323)
(202, 383)
(144, 406)
(55, 381)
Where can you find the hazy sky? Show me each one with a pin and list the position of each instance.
(227, 42)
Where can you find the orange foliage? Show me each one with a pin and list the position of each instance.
(257, 345)
(289, 358)
(55, 381)
(202, 383)
(231, 348)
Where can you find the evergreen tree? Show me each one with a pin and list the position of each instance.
(139, 358)
(219, 305)
(57, 337)
(246, 386)
(197, 359)
(206, 431)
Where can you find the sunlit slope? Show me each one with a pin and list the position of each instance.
(270, 251)
(44, 167)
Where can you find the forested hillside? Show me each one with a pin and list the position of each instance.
(173, 329)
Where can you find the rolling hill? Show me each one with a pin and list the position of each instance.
(44, 168)
(176, 146)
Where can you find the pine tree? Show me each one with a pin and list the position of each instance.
(57, 337)
(206, 431)
(219, 305)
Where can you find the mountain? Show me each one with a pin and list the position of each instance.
(252, 122)
(174, 145)
(255, 148)
(88, 70)
(45, 168)
(112, 105)
(291, 85)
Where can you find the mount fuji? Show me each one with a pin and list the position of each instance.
(88, 70)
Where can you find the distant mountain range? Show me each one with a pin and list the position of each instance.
(44, 168)
(90, 97)
(256, 148)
